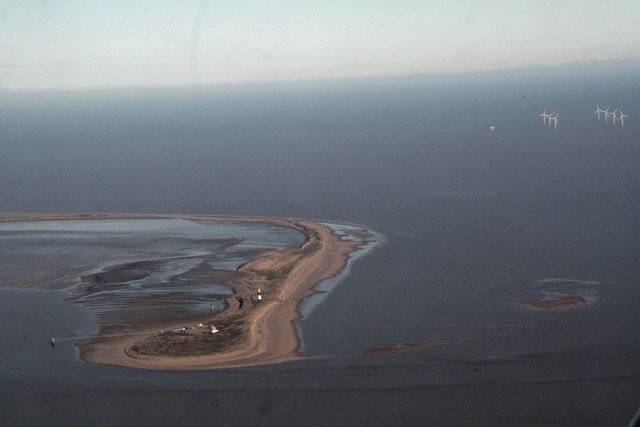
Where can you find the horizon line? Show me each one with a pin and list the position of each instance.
(312, 80)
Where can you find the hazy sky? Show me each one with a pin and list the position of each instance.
(98, 43)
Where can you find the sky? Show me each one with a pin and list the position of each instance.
(50, 44)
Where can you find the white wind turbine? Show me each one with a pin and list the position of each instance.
(555, 120)
(598, 111)
(550, 118)
(544, 116)
(606, 114)
(614, 117)
(621, 118)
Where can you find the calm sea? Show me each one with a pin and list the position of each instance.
(473, 221)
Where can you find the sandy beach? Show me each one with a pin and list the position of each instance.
(266, 329)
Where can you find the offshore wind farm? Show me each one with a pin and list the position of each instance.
(616, 116)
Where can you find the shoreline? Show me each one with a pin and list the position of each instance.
(269, 332)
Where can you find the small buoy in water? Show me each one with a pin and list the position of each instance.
(53, 342)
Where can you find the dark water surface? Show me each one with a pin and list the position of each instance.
(473, 221)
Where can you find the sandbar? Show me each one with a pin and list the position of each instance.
(569, 301)
(264, 331)
(411, 346)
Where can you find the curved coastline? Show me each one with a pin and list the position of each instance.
(268, 331)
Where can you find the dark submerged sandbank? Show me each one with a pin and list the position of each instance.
(411, 346)
(569, 301)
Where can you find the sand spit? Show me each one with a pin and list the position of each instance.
(569, 301)
(253, 331)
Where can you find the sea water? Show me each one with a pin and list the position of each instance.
(472, 219)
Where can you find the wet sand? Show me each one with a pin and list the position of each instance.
(268, 334)
(570, 301)
(411, 346)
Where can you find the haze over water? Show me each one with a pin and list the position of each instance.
(472, 220)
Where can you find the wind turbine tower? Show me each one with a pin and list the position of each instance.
(544, 116)
(621, 118)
